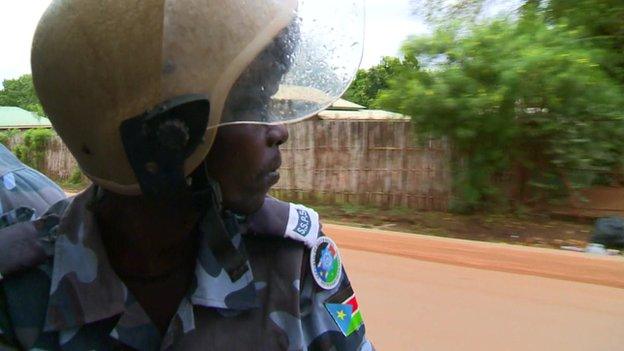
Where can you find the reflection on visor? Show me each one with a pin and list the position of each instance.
(307, 66)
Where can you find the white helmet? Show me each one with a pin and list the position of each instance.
(107, 71)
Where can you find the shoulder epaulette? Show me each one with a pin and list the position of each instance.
(287, 220)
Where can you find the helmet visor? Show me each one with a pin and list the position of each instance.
(307, 66)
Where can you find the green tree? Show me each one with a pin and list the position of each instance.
(462, 13)
(521, 96)
(600, 22)
(20, 92)
(368, 83)
(440, 13)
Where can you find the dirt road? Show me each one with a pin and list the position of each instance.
(424, 293)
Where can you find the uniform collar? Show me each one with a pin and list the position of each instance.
(85, 289)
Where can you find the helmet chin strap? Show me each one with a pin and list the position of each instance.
(157, 143)
(217, 226)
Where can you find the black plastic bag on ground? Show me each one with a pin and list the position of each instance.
(609, 232)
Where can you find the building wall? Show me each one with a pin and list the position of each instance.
(369, 163)
(366, 163)
(58, 163)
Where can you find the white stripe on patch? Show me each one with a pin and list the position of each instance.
(303, 225)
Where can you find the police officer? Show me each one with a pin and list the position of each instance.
(175, 110)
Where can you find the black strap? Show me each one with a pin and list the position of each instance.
(231, 259)
(214, 229)
(158, 142)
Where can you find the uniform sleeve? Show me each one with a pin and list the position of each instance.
(27, 187)
(331, 318)
(286, 220)
(18, 215)
(23, 245)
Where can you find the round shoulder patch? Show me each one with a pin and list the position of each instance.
(325, 263)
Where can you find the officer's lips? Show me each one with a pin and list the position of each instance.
(272, 176)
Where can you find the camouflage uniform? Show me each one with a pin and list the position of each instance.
(24, 192)
(75, 301)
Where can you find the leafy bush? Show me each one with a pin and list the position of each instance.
(368, 83)
(4, 139)
(7, 135)
(76, 177)
(33, 147)
(521, 97)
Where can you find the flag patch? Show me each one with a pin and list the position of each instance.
(345, 311)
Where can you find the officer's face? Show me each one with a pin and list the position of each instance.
(244, 160)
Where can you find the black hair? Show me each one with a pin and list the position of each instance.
(252, 92)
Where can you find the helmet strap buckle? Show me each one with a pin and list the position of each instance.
(158, 142)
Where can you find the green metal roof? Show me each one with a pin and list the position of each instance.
(17, 118)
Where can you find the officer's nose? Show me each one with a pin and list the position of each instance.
(277, 134)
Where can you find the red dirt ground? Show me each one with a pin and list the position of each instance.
(424, 293)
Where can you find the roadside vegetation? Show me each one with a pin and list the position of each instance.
(30, 147)
(531, 102)
(518, 229)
